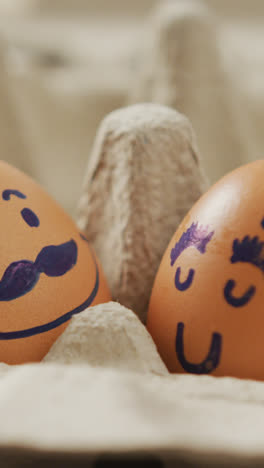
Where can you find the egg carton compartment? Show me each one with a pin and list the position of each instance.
(102, 396)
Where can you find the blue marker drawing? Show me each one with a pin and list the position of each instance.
(20, 277)
(237, 301)
(14, 335)
(249, 250)
(184, 285)
(6, 194)
(209, 363)
(27, 214)
(195, 236)
(30, 217)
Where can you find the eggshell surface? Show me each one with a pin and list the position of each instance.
(47, 271)
(206, 312)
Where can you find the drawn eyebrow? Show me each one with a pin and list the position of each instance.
(7, 193)
(195, 236)
(249, 250)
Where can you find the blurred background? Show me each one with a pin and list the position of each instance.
(65, 64)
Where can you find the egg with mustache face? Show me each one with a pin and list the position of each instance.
(206, 313)
(48, 272)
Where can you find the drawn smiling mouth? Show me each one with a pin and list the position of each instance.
(209, 363)
(44, 264)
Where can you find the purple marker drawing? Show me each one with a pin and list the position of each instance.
(195, 236)
(20, 277)
(6, 194)
(30, 217)
(249, 250)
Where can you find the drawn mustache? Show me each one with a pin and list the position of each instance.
(20, 277)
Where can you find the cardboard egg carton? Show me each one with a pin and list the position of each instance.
(184, 68)
(12, 142)
(102, 397)
(143, 176)
(67, 72)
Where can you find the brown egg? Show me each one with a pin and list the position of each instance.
(48, 273)
(206, 312)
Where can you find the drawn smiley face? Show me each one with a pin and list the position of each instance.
(48, 272)
(206, 309)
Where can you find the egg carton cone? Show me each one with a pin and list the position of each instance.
(142, 177)
(12, 143)
(107, 335)
(183, 68)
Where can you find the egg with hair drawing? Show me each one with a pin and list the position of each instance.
(48, 273)
(206, 312)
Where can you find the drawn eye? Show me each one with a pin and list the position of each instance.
(183, 285)
(237, 301)
(27, 214)
(30, 217)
